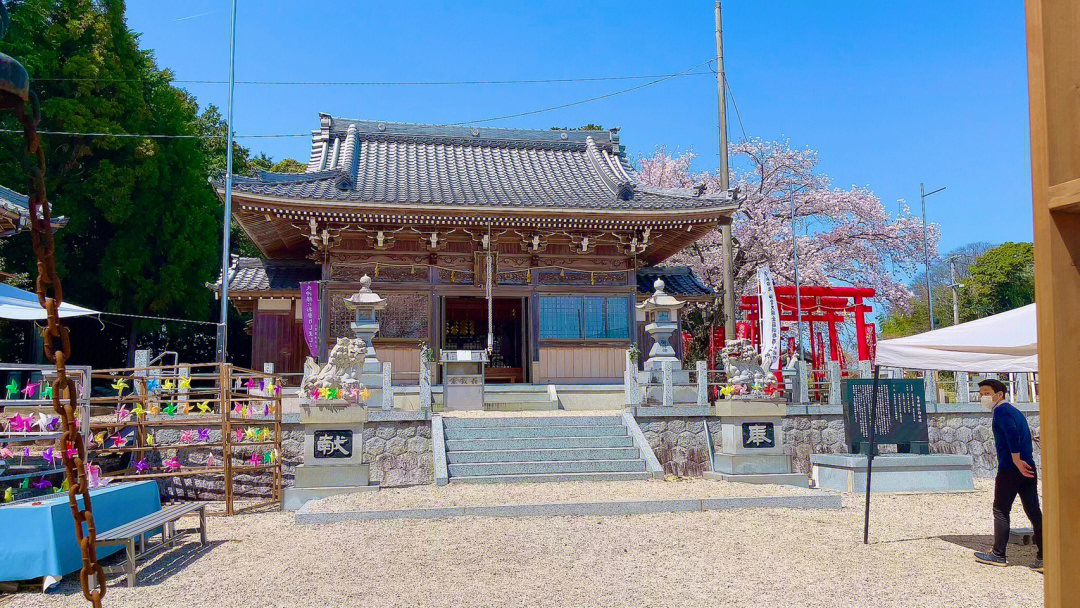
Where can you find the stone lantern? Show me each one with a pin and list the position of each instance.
(365, 305)
(662, 310)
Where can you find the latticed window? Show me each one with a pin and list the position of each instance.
(588, 317)
(405, 316)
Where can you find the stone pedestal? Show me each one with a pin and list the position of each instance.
(752, 444)
(333, 453)
(894, 473)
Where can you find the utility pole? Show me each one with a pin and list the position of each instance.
(955, 291)
(926, 252)
(223, 318)
(725, 231)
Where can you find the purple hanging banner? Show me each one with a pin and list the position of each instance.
(309, 301)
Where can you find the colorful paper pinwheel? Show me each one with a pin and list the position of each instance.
(185, 383)
(12, 389)
(239, 434)
(5, 452)
(204, 407)
(254, 459)
(122, 413)
(187, 436)
(210, 460)
(167, 385)
(9, 494)
(42, 484)
(47, 391)
(172, 465)
(21, 424)
(149, 439)
(141, 466)
(204, 434)
(49, 456)
(30, 389)
(169, 409)
(120, 385)
(119, 441)
(152, 385)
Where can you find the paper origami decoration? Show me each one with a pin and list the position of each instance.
(12, 389)
(186, 408)
(250, 383)
(47, 391)
(119, 441)
(254, 459)
(154, 410)
(141, 466)
(99, 439)
(122, 413)
(204, 434)
(239, 434)
(169, 409)
(42, 484)
(267, 457)
(138, 410)
(44, 424)
(9, 494)
(149, 439)
(152, 384)
(204, 407)
(5, 452)
(167, 385)
(187, 436)
(185, 383)
(210, 460)
(172, 465)
(266, 410)
(251, 434)
(324, 393)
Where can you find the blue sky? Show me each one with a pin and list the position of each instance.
(890, 94)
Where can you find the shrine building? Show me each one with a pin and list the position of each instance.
(550, 234)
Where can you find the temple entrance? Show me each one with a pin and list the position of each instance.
(466, 327)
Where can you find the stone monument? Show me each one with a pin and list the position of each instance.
(333, 413)
(366, 305)
(752, 443)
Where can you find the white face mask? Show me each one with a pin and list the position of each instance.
(987, 401)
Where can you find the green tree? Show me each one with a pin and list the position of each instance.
(144, 224)
(1001, 279)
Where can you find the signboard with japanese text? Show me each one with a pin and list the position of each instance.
(333, 443)
(309, 314)
(758, 435)
(900, 417)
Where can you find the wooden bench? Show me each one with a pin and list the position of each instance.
(163, 520)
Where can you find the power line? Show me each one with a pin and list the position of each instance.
(482, 120)
(736, 106)
(389, 83)
(590, 99)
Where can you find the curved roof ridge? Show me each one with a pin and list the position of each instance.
(382, 128)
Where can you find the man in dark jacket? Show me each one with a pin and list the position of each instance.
(1016, 472)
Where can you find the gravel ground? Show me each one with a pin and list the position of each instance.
(920, 556)
(458, 495)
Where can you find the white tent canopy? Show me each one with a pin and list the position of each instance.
(19, 305)
(1004, 342)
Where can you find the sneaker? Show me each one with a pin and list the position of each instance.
(1037, 566)
(990, 558)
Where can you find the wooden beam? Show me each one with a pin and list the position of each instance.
(1054, 96)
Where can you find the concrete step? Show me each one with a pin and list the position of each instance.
(521, 406)
(539, 443)
(548, 477)
(452, 422)
(471, 456)
(522, 396)
(506, 432)
(547, 466)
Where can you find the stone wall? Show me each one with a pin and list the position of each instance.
(399, 452)
(965, 431)
(679, 443)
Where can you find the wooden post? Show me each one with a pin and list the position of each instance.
(1053, 86)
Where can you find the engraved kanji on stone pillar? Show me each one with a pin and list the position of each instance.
(702, 383)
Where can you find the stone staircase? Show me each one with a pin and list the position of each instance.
(520, 397)
(541, 448)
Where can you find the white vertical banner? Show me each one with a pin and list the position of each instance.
(770, 321)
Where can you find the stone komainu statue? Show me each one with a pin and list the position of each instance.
(342, 370)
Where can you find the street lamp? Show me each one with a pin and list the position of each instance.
(926, 252)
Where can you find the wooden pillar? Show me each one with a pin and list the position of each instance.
(1054, 96)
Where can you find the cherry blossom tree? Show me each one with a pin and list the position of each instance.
(845, 236)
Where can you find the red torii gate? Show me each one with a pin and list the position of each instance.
(820, 304)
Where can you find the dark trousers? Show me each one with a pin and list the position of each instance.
(1010, 483)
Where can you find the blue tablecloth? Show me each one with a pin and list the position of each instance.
(39, 539)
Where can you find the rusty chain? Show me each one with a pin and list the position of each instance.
(58, 349)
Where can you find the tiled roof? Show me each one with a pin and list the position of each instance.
(17, 207)
(367, 161)
(679, 281)
(257, 274)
